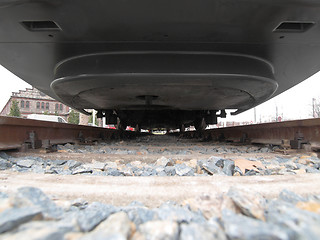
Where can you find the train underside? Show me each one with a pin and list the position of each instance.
(164, 64)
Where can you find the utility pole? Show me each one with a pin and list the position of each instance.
(94, 117)
(313, 107)
(255, 115)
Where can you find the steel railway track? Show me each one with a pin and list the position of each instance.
(17, 133)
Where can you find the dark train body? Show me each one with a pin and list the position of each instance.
(168, 63)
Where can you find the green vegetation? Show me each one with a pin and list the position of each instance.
(14, 109)
(73, 117)
(91, 118)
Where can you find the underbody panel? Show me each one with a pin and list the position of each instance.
(171, 55)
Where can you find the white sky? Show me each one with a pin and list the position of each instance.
(296, 103)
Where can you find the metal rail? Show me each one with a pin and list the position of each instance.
(293, 133)
(16, 132)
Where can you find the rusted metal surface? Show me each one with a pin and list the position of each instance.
(14, 132)
(305, 131)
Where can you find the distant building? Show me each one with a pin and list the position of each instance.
(32, 101)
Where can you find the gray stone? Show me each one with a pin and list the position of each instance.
(126, 171)
(25, 163)
(213, 165)
(136, 204)
(94, 214)
(48, 233)
(111, 165)
(102, 236)
(95, 165)
(146, 173)
(88, 148)
(4, 155)
(183, 170)
(69, 146)
(140, 215)
(238, 170)
(121, 152)
(228, 167)
(286, 172)
(251, 173)
(171, 212)
(291, 166)
(316, 165)
(250, 204)
(60, 147)
(312, 170)
(163, 161)
(117, 226)
(79, 203)
(197, 231)
(159, 169)
(219, 163)
(73, 164)
(50, 170)
(137, 171)
(3, 195)
(267, 172)
(113, 172)
(13, 217)
(264, 150)
(37, 230)
(242, 227)
(30, 196)
(304, 224)
(38, 169)
(57, 162)
(290, 197)
(5, 164)
(99, 173)
(159, 230)
(162, 174)
(81, 170)
(282, 160)
(170, 170)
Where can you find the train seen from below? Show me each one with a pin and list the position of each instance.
(161, 63)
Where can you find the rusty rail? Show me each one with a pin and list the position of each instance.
(15, 132)
(296, 132)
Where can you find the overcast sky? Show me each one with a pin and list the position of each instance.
(296, 103)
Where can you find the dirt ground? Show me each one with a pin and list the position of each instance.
(153, 191)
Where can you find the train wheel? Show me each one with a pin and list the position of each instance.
(200, 124)
(121, 125)
(137, 128)
(182, 128)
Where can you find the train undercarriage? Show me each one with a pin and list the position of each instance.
(162, 119)
(168, 63)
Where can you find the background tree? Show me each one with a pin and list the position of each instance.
(316, 107)
(73, 117)
(91, 118)
(14, 109)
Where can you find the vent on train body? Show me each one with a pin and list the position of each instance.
(293, 26)
(35, 26)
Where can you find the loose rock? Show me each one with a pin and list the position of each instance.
(34, 197)
(95, 213)
(12, 218)
(159, 230)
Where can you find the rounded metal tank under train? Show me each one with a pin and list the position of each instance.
(164, 64)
